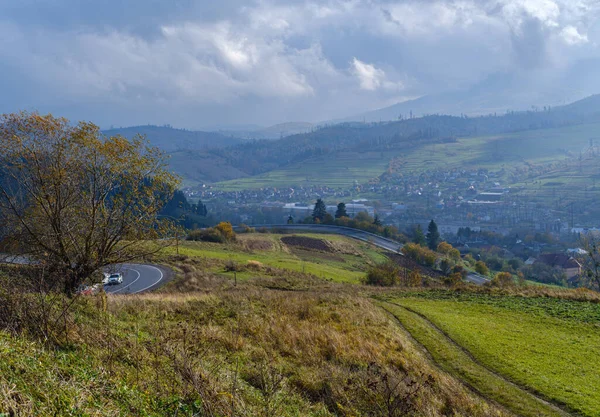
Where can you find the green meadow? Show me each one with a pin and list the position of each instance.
(548, 346)
(346, 261)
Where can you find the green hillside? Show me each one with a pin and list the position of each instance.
(296, 335)
(510, 151)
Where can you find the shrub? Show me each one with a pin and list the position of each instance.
(384, 275)
(459, 269)
(419, 254)
(414, 279)
(226, 230)
(503, 279)
(206, 235)
(495, 263)
(481, 268)
(453, 279)
(446, 266)
(244, 228)
(256, 265)
(445, 248)
(515, 263)
(231, 266)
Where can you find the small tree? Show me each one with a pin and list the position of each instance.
(419, 236)
(481, 268)
(77, 200)
(503, 279)
(384, 275)
(319, 211)
(433, 236)
(226, 230)
(377, 220)
(290, 219)
(341, 211)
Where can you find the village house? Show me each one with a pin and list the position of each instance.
(567, 263)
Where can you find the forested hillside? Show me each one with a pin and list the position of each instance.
(257, 157)
(170, 139)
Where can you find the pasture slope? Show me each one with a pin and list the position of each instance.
(533, 355)
(510, 151)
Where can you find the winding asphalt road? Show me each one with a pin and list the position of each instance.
(137, 278)
(381, 242)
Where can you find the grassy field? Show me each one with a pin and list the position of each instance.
(244, 351)
(346, 261)
(340, 170)
(492, 152)
(550, 346)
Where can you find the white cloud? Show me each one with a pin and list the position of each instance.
(571, 36)
(372, 78)
(282, 55)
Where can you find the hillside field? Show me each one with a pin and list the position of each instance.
(493, 152)
(544, 345)
(341, 259)
(297, 335)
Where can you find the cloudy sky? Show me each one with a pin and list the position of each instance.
(196, 63)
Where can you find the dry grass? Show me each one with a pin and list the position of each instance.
(227, 351)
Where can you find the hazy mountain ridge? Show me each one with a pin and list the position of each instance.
(258, 157)
(496, 94)
(277, 131)
(197, 159)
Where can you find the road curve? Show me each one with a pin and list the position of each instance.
(137, 278)
(381, 242)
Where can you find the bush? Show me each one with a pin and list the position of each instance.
(453, 279)
(481, 268)
(206, 235)
(459, 269)
(503, 279)
(495, 263)
(384, 275)
(446, 266)
(541, 272)
(231, 266)
(221, 233)
(419, 254)
(226, 230)
(244, 228)
(515, 263)
(413, 279)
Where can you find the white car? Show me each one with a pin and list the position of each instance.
(114, 279)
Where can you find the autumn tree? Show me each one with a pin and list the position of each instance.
(503, 279)
(75, 200)
(481, 268)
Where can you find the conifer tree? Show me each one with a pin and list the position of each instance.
(341, 211)
(433, 236)
(319, 211)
